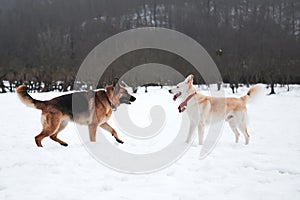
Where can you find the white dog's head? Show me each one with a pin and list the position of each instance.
(182, 87)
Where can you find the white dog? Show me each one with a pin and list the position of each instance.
(203, 109)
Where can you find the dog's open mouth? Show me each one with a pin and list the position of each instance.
(176, 96)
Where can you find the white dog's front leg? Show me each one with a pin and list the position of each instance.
(200, 133)
(190, 133)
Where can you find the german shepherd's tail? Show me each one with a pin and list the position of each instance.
(27, 99)
(253, 93)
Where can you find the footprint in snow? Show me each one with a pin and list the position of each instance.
(106, 188)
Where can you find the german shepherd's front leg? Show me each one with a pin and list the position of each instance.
(108, 128)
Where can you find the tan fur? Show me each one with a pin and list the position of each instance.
(203, 109)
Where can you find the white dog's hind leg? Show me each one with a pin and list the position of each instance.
(236, 133)
(246, 134)
(243, 128)
(233, 125)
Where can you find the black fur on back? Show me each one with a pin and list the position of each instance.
(75, 103)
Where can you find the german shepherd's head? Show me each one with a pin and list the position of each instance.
(118, 94)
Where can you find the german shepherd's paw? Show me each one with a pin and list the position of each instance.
(119, 141)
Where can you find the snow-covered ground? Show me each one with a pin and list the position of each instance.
(267, 168)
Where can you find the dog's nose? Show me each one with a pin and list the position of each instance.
(170, 91)
(132, 99)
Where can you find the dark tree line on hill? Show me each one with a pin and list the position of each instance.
(43, 42)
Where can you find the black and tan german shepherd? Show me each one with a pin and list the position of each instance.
(92, 108)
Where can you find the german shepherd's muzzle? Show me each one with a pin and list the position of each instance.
(92, 108)
(127, 99)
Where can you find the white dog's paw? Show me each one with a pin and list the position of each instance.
(187, 141)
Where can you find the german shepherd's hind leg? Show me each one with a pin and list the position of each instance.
(51, 123)
(108, 128)
(54, 137)
(92, 132)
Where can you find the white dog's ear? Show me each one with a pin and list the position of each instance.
(189, 79)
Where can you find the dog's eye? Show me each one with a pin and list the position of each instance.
(177, 86)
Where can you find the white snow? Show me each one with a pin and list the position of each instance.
(267, 168)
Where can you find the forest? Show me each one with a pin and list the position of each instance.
(43, 42)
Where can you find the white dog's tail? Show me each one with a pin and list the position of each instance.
(253, 93)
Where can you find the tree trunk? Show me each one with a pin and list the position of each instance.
(154, 14)
(232, 88)
(272, 89)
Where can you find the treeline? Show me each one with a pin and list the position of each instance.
(43, 42)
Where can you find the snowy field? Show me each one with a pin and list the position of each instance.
(267, 168)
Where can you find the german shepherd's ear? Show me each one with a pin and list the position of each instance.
(116, 80)
(116, 85)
